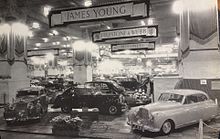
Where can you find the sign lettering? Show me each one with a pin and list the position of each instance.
(123, 10)
(137, 46)
(145, 32)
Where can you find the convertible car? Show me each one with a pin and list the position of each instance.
(30, 103)
(174, 109)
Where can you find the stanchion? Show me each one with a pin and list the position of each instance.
(200, 129)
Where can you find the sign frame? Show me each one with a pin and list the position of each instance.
(112, 45)
(41, 50)
(125, 37)
(127, 17)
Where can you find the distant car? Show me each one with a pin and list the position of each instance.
(132, 98)
(30, 103)
(174, 109)
(79, 97)
(130, 84)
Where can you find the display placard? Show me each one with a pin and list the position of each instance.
(143, 31)
(42, 52)
(134, 46)
(123, 10)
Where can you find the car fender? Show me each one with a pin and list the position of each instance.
(161, 116)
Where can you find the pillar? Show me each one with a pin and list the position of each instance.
(82, 61)
(199, 53)
(13, 63)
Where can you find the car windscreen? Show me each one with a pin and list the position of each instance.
(171, 97)
(27, 93)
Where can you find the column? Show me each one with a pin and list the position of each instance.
(13, 63)
(199, 53)
(82, 61)
(199, 40)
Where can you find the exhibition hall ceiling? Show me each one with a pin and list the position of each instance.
(41, 36)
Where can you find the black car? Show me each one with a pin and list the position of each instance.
(79, 97)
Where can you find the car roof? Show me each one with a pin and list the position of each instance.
(101, 81)
(31, 88)
(185, 92)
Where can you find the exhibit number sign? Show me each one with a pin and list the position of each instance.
(135, 46)
(125, 10)
(143, 31)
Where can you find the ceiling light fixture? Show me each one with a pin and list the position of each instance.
(55, 32)
(142, 23)
(51, 34)
(58, 43)
(88, 3)
(177, 7)
(108, 27)
(35, 25)
(150, 21)
(177, 39)
(37, 44)
(46, 10)
(45, 39)
(53, 43)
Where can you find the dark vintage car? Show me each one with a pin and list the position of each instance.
(30, 103)
(132, 98)
(79, 97)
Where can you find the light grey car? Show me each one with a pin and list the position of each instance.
(174, 109)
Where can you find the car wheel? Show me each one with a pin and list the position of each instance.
(113, 110)
(167, 127)
(66, 109)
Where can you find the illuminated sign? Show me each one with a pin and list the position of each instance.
(143, 31)
(120, 10)
(42, 52)
(135, 46)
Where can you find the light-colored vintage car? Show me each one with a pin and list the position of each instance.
(174, 109)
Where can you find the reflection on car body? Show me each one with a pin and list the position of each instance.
(174, 109)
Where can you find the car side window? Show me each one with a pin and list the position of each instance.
(104, 86)
(202, 97)
(191, 99)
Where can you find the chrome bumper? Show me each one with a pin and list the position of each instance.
(22, 119)
(143, 128)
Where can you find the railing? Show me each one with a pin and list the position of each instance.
(201, 126)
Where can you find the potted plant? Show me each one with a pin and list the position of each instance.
(66, 125)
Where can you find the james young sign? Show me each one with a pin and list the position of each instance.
(143, 31)
(122, 10)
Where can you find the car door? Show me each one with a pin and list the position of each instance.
(208, 108)
(190, 110)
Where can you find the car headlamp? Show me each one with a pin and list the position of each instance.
(30, 105)
(11, 107)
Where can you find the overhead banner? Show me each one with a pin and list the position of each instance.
(3, 45)
(143, 31)
(125, 10)
(136, 46)
(42, 52)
